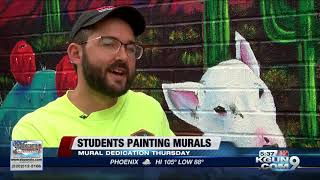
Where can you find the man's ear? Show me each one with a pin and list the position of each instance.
(75, 53)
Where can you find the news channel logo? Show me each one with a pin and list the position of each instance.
(277, 160)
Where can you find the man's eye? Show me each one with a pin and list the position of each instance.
(220, 109)
(109, 42)
(108, 45)
(131, 48)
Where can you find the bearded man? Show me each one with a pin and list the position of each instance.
(104, 50)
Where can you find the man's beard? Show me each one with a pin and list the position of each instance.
(96, 77)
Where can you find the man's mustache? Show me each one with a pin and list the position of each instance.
(118, 64)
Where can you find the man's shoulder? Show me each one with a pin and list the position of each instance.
(141, 97)
(42, 112)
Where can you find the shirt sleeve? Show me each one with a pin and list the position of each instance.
(25, 131)
(166, 131)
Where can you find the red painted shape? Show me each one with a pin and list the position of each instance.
(83, 5)
(16, 8)
(122, 2)
(176, 5)
(22, 63)
(66, 76)
(242, 4)
(190, 8)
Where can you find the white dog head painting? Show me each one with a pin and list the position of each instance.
(230, 101)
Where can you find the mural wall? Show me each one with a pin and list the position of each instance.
(245, 70)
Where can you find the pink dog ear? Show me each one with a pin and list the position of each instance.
(245, 54)
(183, 100)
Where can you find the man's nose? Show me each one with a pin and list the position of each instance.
(122, 54)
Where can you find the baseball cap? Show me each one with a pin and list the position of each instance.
(127, 13)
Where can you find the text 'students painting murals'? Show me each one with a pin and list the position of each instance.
(244, 70)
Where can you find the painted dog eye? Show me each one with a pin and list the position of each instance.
(261, 91)
(220, 109)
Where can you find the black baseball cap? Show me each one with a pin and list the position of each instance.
(127, 13)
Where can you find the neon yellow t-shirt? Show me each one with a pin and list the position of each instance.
(133, 113)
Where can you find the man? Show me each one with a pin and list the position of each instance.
(104, 52)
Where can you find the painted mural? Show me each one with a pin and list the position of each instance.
(229, 101)
(244, 70)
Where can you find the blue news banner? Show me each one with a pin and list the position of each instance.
(227, 156)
